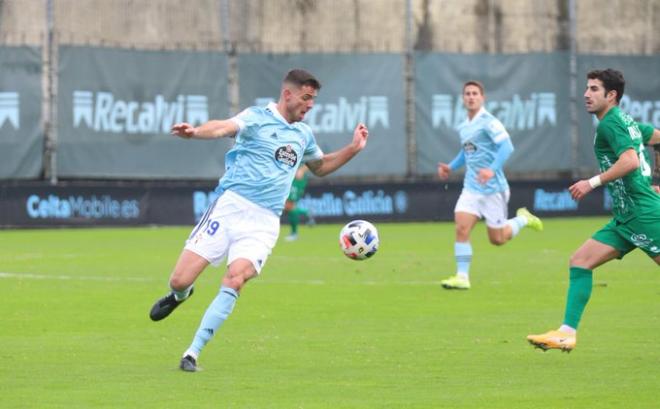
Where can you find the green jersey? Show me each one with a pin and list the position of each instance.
(631, 195)
(298, 188)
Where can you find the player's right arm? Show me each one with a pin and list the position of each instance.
(445, 169)
(210, 130)
(628, 161)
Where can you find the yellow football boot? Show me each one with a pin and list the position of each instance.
(533, 222)
(554, 340)
(456, 282)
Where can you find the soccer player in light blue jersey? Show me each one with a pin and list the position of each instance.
(243, 224)
(486, 146)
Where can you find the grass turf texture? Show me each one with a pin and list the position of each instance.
(318, 330)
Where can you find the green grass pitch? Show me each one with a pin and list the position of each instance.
(317, 330)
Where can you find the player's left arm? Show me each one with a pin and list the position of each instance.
(650, 135)
(655, 139)
(330, 162)
(651, 138)
(499, 135)
(628, 161)
(503, 152)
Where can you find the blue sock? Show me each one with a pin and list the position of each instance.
(215, 315)
(516, 224)
(463, 253)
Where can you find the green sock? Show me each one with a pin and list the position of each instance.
(294, 220)
(579, 291)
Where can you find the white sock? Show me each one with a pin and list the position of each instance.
(569, 330)
(516, 224)
(181, 295)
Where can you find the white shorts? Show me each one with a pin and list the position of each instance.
(491, 207)
(234, 227)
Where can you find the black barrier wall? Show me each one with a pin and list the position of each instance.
(114, 204)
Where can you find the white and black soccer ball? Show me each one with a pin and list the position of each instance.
(359, 240)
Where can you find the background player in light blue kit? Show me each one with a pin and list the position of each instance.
(486, 146)
(243, 224)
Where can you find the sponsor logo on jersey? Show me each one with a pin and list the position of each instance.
(343, 115)
(102, 112)
(286, 155)
(643, 241)
(9, 109)
(469, 147)
(516, 114)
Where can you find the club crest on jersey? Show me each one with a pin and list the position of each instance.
(286, 155)
(469, 147)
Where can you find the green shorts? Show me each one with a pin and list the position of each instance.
(642, 232)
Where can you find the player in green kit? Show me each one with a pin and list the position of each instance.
(291, 207)
(619, 149)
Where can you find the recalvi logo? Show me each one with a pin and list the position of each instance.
(102, 112)
(640, 110)
(344, 115)
(517, 114)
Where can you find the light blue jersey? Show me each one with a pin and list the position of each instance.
(480, 138)
(268, 150)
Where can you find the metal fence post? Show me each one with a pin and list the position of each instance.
(230, 48)
(50, 101)
(409, 90)
(575, 137)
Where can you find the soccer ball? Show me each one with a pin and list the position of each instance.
(359, 240)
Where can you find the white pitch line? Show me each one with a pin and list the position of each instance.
(30, 276)
(368, 283)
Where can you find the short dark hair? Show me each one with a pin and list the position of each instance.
(300, 77)
(476, 84)
(612, 81)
